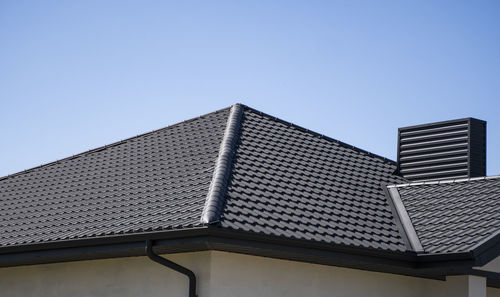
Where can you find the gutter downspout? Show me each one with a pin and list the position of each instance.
(160, 260)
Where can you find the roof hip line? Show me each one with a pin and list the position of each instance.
(405, 220)
(222, 171)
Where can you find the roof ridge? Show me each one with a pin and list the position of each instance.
(346, 145)
(444, 181)
(109, 145)
(223, 165)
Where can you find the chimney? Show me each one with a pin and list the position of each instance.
(443, 150)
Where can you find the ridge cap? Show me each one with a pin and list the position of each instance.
(223, 166)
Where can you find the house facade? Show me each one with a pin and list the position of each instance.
(219, 274)
(239, 203)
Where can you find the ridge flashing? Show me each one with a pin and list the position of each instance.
(447, 181)
(223, 165)
(404, 218)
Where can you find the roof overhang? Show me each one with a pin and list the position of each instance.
(214, 238)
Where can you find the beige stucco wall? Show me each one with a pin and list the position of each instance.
(241, 275)
(220, 274)
(493, 265)
(123, 277)
(492, 292)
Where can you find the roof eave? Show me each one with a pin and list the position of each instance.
(487, 249)
(216, 238)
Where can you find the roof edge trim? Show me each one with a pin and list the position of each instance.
(487, 249)
(486, 240)
(405, 220)
(322, 136)
(223, 165)
(444, 181)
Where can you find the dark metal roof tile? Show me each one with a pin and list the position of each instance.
(154, 181)
(308, 187)
(453, 216)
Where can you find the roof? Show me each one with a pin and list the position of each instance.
(240, 174)
(453, 216)
(286, 181)
(151, 182)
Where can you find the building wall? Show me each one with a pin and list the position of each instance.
(492, 292)
(219, 274)
(493, 265)
(259, 276)
(122, 277)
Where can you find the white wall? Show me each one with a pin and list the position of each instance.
(242, 275)
(220, 274)
(465, 286)
(123, 277)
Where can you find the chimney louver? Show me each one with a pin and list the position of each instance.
(443, 150)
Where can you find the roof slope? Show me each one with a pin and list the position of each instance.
(236, 169)
(154, 181)
(453, 216)
(290, 182)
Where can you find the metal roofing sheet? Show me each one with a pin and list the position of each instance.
(453, 216)
(154, 181)
(292, 183)
(284, 181)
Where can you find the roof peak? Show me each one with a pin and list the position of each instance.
(222, 169)
(233, 106)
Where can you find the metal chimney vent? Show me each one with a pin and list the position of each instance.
(443, 150)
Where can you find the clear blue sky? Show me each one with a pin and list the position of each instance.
(75, 75)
